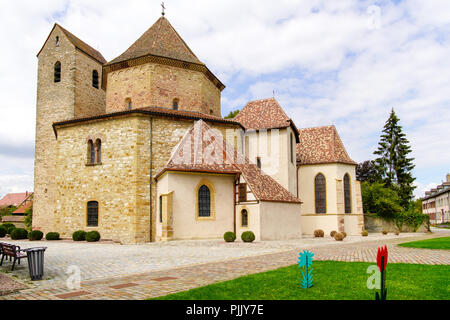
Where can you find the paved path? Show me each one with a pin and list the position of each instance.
(175, 279)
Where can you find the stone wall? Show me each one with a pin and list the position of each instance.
(374, 224)
(158, 85)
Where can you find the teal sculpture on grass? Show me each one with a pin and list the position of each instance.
(305, 260)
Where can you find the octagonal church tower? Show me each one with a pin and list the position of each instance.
(159, 69)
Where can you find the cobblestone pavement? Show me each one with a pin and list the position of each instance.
(178, 268)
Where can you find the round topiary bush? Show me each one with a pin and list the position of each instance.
(344, 233)
(52, 236)
(19, 233)
(332, 233)
(338, 236)
(92, 236)
(10, 229)
(319, 233)
(79, 235)
(2, 231)
(229, 236)
(7, 225)
(384, 232)
(397, 232)
(248, 236)
(35, 235)
(365, 233)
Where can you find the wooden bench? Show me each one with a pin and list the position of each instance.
(12, 251)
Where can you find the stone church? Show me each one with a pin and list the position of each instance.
(137, 149)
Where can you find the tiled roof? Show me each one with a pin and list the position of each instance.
(321, 145)
(14, 199)
(81, 45)
(24, 207)
(216, 155)
(160, 39)
(156, 111)
(263, 114)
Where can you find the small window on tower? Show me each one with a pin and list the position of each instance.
(211, 111)
(258, 162)
(175, 104)
(57, 41)
(95, 79)
(128, 103)
(57, 72)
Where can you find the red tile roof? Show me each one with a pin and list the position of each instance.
(162, 40)
(216, 155)
(321, 145)
(14, 199)
(24, 207)
(79, 44)
(264, 114)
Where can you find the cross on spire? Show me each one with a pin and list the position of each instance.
(163, 8)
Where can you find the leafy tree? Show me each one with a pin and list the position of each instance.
(414, 216)
(7, 211)
(366, 171)
(232, 114)
(379, 200)
(393, 165)
(28, 217)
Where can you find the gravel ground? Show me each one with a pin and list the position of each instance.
(9, 285)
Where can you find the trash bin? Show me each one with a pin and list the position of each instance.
(35, 257)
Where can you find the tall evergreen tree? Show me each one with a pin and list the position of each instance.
(393, 165)
(365, 171)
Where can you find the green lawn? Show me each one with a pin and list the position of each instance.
(333, 280)
(436, 243)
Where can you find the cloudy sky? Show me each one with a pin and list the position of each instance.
(344, 62)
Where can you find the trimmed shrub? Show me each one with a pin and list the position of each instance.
(79, 235)
(2, 231)
(319, 233)
(338, 236)
(52, 236)
(365, 233)
(397, 232)
(10, 229)
(7, 225)
(332, 233)
(248, 236)
(19, 233)
(384, 232)
(92, 236)
(344, 233)
(35, 235)
(229, 236)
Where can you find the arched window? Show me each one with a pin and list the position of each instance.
(320, 193)
(92, 214)
(57, 41)
(128, 103)
(244, 218)
(347, 194)
(211, 111)
(57, 72)
(91, 152)
(95, 79)
(175, 104)
(204, 201)
(98, 150)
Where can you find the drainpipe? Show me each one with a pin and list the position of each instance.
(236, 179)
(151, 176)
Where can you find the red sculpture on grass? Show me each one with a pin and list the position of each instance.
(382, 257)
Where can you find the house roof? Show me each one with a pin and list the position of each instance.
(264, 114)
(434, 194)
(153, 111)
(24, 207)
(79, 44)
(162, 40)
(215, 155)
(14, 199)
(321, 145)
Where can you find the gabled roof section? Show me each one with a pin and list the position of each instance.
(321, 145)
(215, 155)
(79, 44)
(14, 199)
(264, 114)
(162, 40)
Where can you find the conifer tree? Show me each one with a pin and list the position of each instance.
(393, 165)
